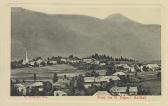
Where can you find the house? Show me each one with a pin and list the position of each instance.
(87, 60)
(38, 85)
(24, 62)
(32, 63)
(102, 64)
(52, 62)
(119, 73)
(73, 60)
(133, 91)
(64, 60)
(87, 85)
(88, 81)
(100, 79)
(102, 93)
(153, 67)
(124, 91)
(21, 89)
(61, 84)
(122, 66)
(39, 61)
(60, 93)
(132, 69)
(118, 91)
(96, 62)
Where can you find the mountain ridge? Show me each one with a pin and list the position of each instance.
(52, 34)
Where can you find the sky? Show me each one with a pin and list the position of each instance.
(144, 15)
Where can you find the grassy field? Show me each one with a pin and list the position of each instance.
(44, 72)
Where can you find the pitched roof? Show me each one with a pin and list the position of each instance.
(133, 89)
(37, 84)
(101, 78)
(118, 89)
(119, 73)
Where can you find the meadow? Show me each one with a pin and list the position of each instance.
(45, 73)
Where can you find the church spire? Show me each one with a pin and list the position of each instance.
(26, 60)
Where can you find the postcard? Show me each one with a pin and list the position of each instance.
(94, 52)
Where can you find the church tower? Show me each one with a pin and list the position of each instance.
(26, 58)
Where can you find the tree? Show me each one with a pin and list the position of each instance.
(17, 81)
(55, 77)
(34, 77)
(71, 56)
(47, 86)
(110, 71)
(145, 68)
(80, 82)
(65, 77)
(43, 63)
(159, 75)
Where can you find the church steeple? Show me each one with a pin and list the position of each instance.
(26, 59)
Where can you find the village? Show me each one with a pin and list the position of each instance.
(101, 76)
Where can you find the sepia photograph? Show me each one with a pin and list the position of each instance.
(85, 51)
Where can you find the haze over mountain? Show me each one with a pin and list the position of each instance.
(48, 35)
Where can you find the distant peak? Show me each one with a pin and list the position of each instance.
(117, 17)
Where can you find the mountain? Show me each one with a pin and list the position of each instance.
(48, 35)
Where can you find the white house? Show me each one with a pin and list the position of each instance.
(32, 63)
(119, 73)
(96, 62)
(133, 91)
(39, 61)
(53, 62)
(102, 64)
(153, 67)
(63, 60)
(132, 69)
(21, 88)
(60, 93)
(39, 85)
(36, 84)
(87, 85)
(124, 90)
(100, 79)
(118, 90)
